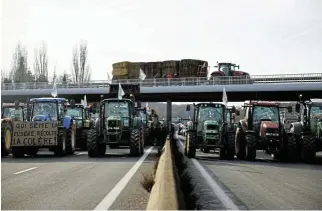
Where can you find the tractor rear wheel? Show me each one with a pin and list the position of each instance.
(83, 139)
(135, 143)
(18, 152)
(240, 145)
(6, 137)
(191, 144)
(60, 149)
(94, 148)
(250, 147)
(71, 139)
(308, 149)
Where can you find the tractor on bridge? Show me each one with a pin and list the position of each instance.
(308, 131)
(81, 116)
(262, 129)
(230, 69)
(118, 124)
(208, 131)
(10, 112)
(49, 128)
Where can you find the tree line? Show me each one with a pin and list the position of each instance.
(21, 72)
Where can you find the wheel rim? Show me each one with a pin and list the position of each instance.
(8, 138)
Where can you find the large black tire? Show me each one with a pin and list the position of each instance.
(191, 144)
(5, 143)
(94, 148)
(240, 143)
(142, 134)
(32, 151)
(230, 147)
(70, 140)
(60, 149)
(291, 149)
(308, 151)
(250, 147)
(83, 139)
(18, 152)
(135, 142)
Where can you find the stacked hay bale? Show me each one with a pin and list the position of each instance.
(134, 70)
(153, 69)
(170, 67)
(121, 70)
(191, 67)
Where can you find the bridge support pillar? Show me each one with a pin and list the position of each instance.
(169, 114)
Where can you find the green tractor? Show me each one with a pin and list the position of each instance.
(80, 114)
(308, 131)
(119, 124)
(209, 130)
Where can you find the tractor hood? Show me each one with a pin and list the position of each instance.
(269, 124)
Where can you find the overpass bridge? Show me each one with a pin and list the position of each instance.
(264, 87)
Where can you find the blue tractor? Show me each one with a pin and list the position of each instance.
(49, 127)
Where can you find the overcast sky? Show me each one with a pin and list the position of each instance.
(264, 37)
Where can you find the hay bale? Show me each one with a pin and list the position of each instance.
(170, 67)
(191, 67)
(120, 65)
(120, 71)
(120, 77)
(153, 69)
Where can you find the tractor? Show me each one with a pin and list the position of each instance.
(230, 69)
(308, 131)
(208, 130)
(119, 124)
(10, 112)
(83, 122)
(49, 128)
(262, 129)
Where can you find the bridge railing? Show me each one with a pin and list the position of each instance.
(192, 81)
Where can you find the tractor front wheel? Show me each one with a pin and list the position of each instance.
(308, 149)
(190, 144)
(135, 142)
(250, 147)
(94, 148)
(6, 136)
(60, 149)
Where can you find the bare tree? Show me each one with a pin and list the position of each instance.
(80, 69)
(41, 63)
(19, 65)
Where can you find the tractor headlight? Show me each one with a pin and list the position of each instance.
(126, 122)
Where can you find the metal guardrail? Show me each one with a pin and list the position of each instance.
(192, 81)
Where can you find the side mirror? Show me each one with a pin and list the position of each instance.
(237, 113)
(289, 109)
(188, 108)
(297, 107)
(233, 109)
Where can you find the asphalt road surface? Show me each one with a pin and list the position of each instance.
(265, 183)
(76, 182)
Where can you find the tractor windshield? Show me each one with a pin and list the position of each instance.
(45, 108)
(210, 113)
(265, 112)
(12, 113)
(316, 112)
(76, 113)
(117, 109)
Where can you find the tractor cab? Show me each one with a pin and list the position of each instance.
(14, 111)
(48, 109)
(78, 112)
(226, 69)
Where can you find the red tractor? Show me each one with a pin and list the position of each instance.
(230, 69)
(262, 129)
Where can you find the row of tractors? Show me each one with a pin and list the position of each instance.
(261, 128)
(63, 126)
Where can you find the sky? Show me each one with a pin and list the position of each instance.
(263, 37)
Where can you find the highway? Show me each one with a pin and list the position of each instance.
(264, 184)
(76, 182)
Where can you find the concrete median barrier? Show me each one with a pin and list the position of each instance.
(166, 193)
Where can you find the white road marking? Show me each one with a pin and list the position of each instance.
(109, 199)
(220, 193)
(26, 170)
